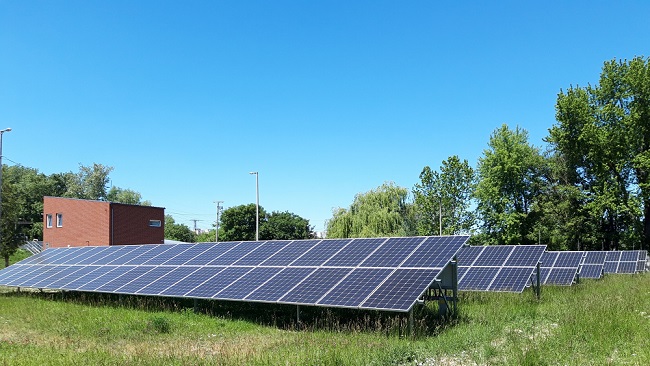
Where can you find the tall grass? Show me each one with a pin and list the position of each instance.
(595, 322)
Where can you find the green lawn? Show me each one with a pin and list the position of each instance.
(594, 323)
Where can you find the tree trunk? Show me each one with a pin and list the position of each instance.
(6, 261)
(645, 240)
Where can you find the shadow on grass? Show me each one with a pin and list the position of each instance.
(426, 321)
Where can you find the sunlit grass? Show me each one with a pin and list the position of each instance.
(596, 322)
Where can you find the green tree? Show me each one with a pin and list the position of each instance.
(448, 192)
(180, 232)
(377, 213)
(11, 238)
(603, 136)
(285, 226)
(509, 181)
(238, 223)
(89, 183)
(127, 196)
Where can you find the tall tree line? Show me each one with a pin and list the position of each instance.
(588, 189)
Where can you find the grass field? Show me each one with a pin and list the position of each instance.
(596, 322)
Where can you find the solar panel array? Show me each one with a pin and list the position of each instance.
(592, 264)
(560, 268)
(643, 261)
(497, 267)
(625, 261)
(383, 273)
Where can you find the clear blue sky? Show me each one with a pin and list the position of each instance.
(326, 99)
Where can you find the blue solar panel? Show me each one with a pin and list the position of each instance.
(312, 288)
(172, 277)
(69, 282)
(477, 278)
(320, 253)
(569, 259)
(467, 255)
(358, 273)
(393, 253)
(525, 256)
(212, 253)
(591, 271)
(277, 286)
(627, 267)
(512, 279)
(256, 256)
(288, 254)
(219, 281)
(435, 252)
(629, 255)
(356, 287)
(248, 283)
(595, 257)
(396, 293)
(192, 251)
(130, 274)
(498, 267)
(236, 253)
(561, 276)
(353, 254)
(97, 278)
(496, 255)
(548, 258)
(165, 254)
(189, 283)
(139, 282)
(622, 261)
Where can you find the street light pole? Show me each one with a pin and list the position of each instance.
(1, 133)
(218, 209)
(257, 205)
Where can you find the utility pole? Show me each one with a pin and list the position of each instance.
(217, 225)
(194, 221)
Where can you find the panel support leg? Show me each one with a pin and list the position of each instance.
(409, 327)
(297, 314)
(538, 286)
(196, 306)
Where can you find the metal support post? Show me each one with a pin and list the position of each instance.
(538, 287)
(297, 314)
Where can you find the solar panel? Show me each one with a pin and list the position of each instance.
(382, 273)
(642, 262)
(497, 267)
(624, 261)
(592, 264)
(560, 267)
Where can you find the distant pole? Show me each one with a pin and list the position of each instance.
(1, 133)
(218, 209)
(440, 216)
(257, 205)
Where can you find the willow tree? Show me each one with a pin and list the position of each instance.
(381, 212)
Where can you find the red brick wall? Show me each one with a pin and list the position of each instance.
(88, 222)
(131, 224)
(84, 222)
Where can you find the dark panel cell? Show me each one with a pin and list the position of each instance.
(215, 251)
(321, 253)
(356, 287)
(478, 278)
(189, 283)
(280, 284)
(246, 284)
(144, 280)
(511, 279)
(315, 286)
(435, 251)
(290, 253)
(401, 290)
(561, 276)
(356, 252)
(393, 252)
(494, 255)
(218, 282)
(236, 254)
(525, 256)
(168, 280)
(254, 257)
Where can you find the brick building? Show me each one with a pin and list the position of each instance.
(76, 222)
